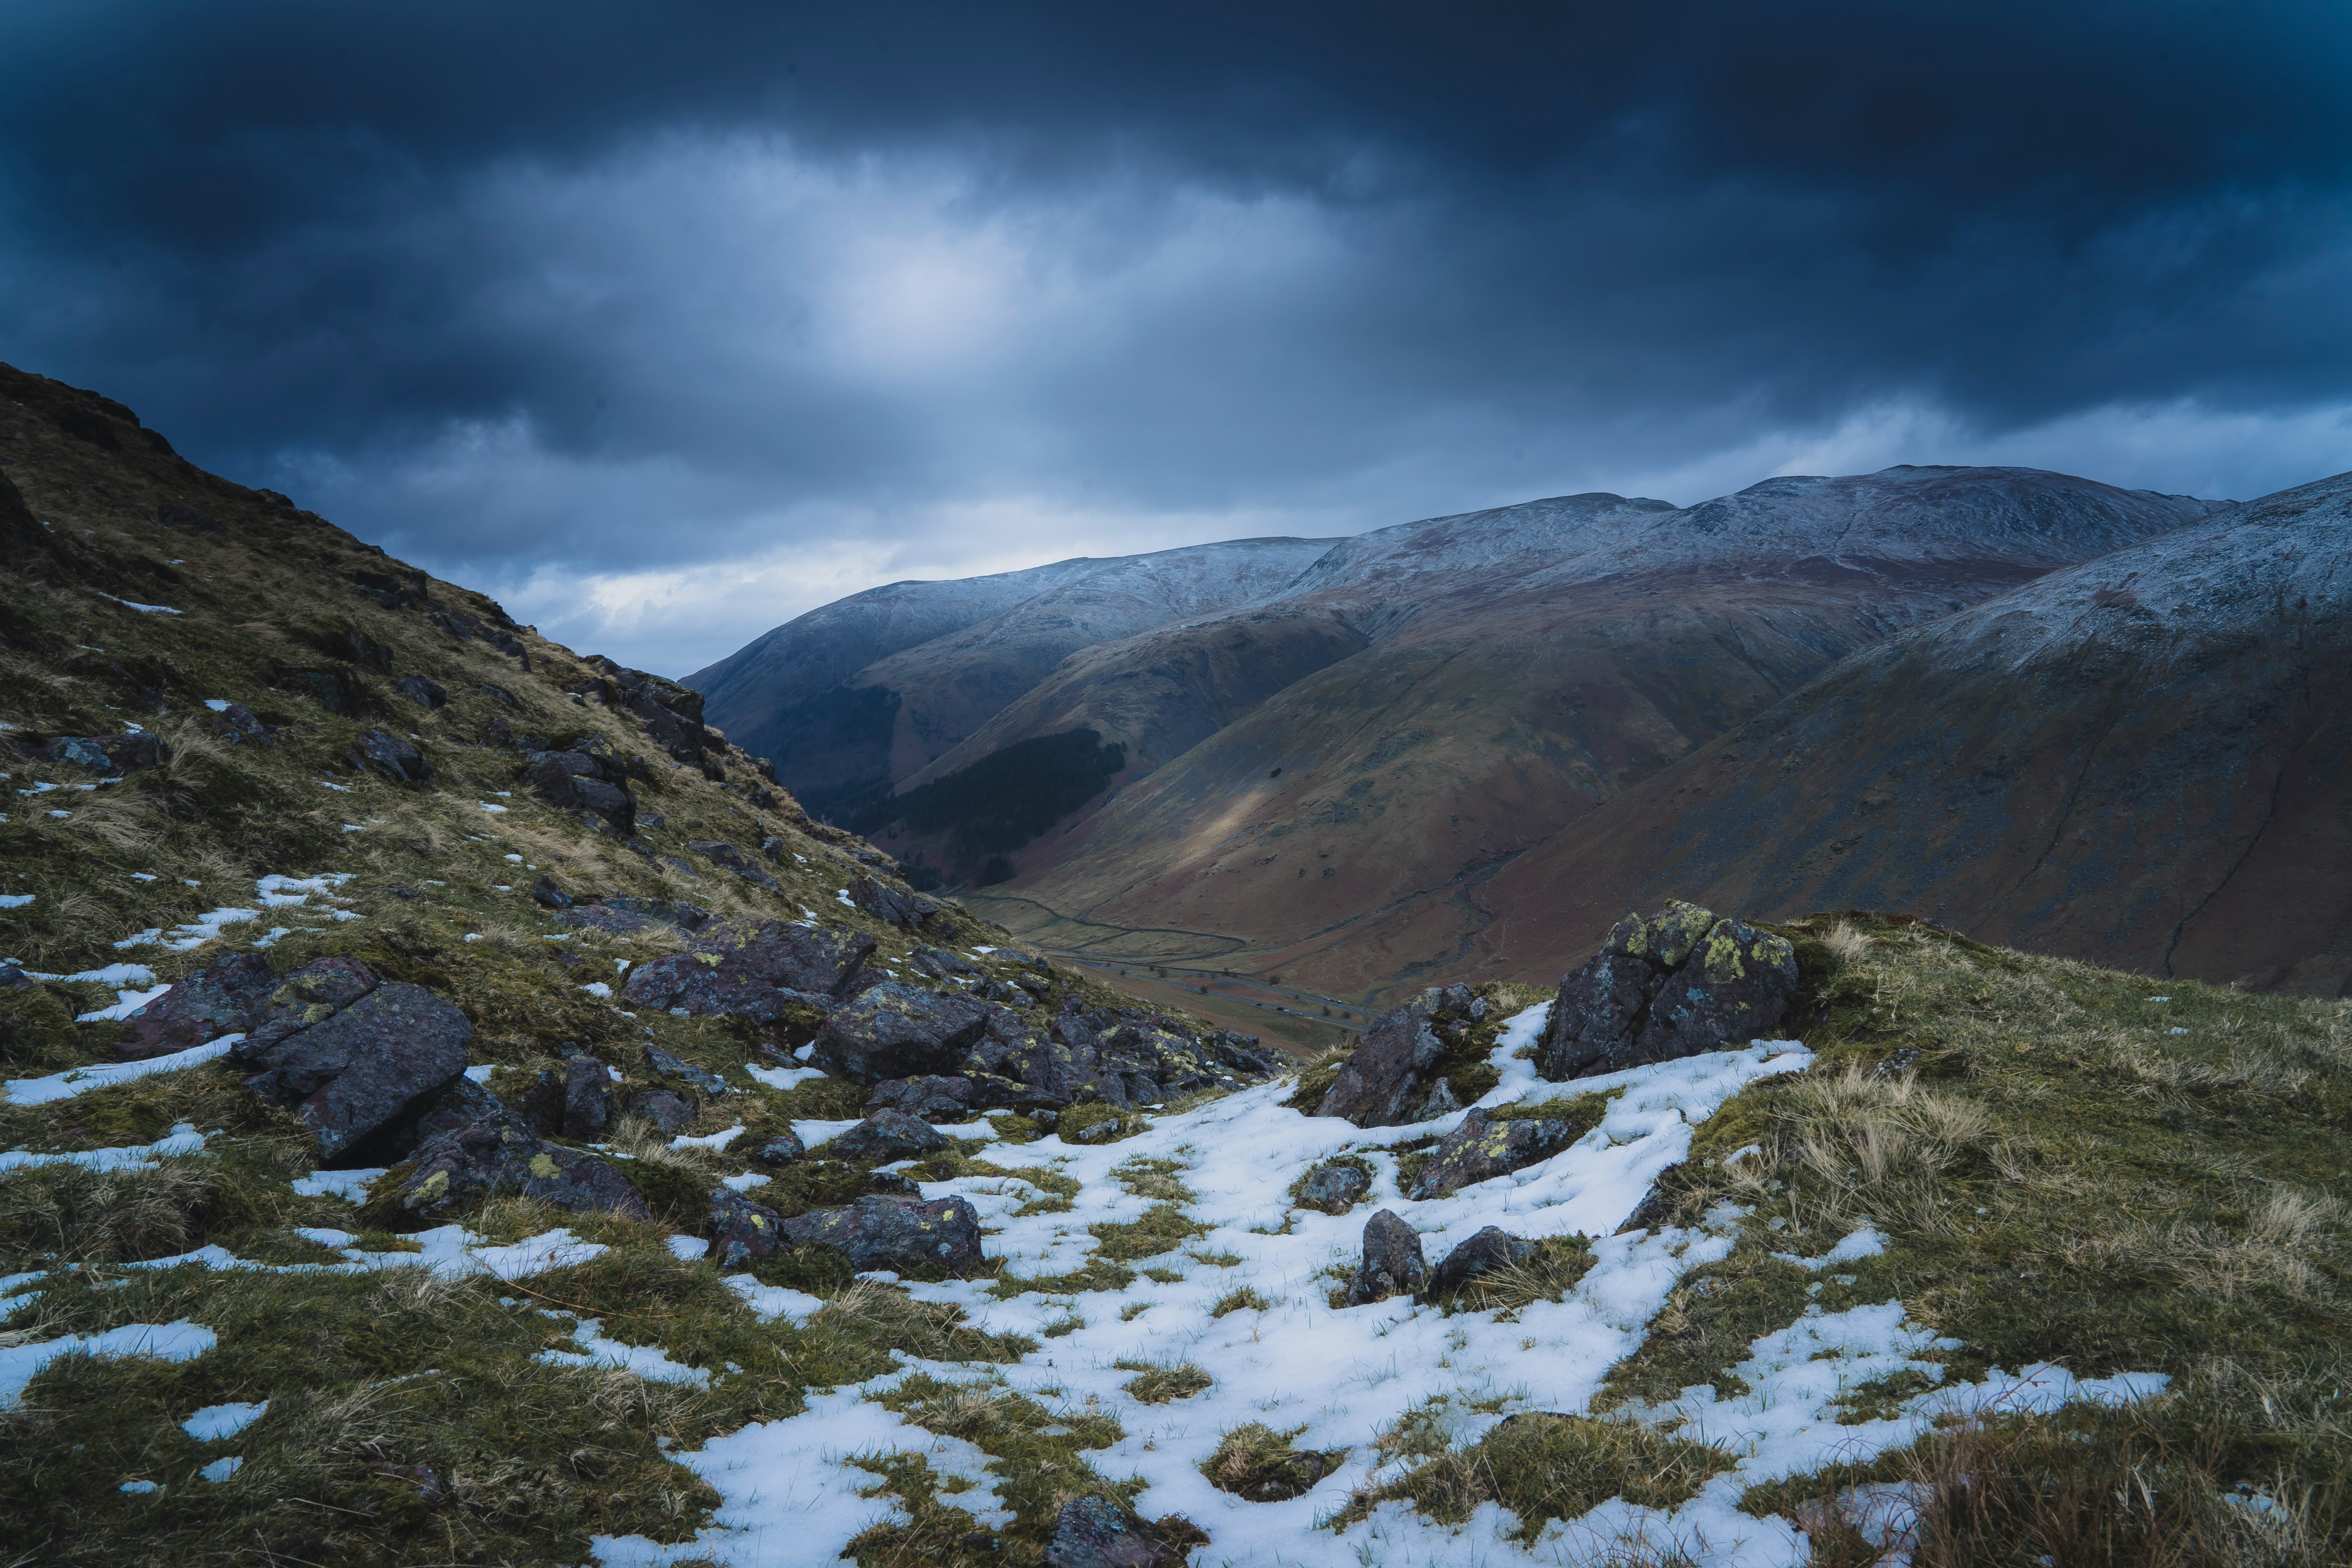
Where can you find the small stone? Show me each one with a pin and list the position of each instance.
(239, 726)
(1492, 1249)
(587, 1099)
(683, 1071)
(929, 1097)
(1334, 1188)
(1392, 1263)
(672, 1112)
(784, 1149)
(395, 758)
(743, 1231)
(886, 1135)
(547, 895)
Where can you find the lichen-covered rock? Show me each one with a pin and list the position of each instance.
(458, 1170)
(1481, 1149)
(1334, 1188)
(309, 996)
(367, 1063)
(896, 1234)
(223, 998)
(1683, 982)
(1092, 1533)
(374, 751)
(929, 1097)
(1392, 1264)
(886, 1135)
(899, 1031)
(587, 1099)
(900, 907)
(940, 963)
(743, 1231)
(1492, 1249)
(1391, 1077)
(753, 970)
(583, 780)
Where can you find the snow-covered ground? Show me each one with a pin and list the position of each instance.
(1347, 1374)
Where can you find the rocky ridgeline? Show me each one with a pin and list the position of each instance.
(1679, 983)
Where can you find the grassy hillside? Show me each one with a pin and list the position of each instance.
(2037, 1261)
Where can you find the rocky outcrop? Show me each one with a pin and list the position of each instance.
(895, 1030)
(678, 1070)
(374, 751)
(886, 1135)
(458, 1171)
(363, 1065)
(899, 1233)
(1683, 982)
(1492, 1249)
(929, 1097)
(582, 780)
(423, 692)
(1334, 1188)
(587, 1099)
(1392, 1264)
(1482, 1149)
(622, 916)
(1392, 1076)
(1091, 1532)
(671, 713)
(897, 906)
(753, 970)
(720, 853)
(109, 754)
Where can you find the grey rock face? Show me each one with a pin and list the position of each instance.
(743, 969)
(365, 1065)
(224, 997)
(929, 1098)
(1334, 1189)
(784, 1149)
(719, 853)
(584, 782)
(895, 906)
(897, 1030)
(1392, 1263)
(670, 1111)
(423, 692)
(462, 1104)
(886, 1135)
(1390, 1079)
(1683, 982)
(587, 1099)
(678, 1070)
(1481, 1149)
(895, 1234)
(1492, 1249)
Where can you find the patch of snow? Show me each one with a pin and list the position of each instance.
(492, 809)
(16, 901)
(181, 1340)
(218, 1422)
(686, 1248)
(597, 988)
(221, 1469)
(647, 1362)
(339, 789)
(112, 974)
(782, 1077)
(126, 1003)
(347, 1185)
(146, 609)
(183, 1139)
(708, 1140)
(480, 1073)
(745, 1182)
(217, 704)
(81, 1081)
(139, 1487)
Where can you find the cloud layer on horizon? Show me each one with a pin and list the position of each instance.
(670, 325)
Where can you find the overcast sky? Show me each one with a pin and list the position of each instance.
(665, 323)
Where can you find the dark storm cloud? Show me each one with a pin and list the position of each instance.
(503, 283)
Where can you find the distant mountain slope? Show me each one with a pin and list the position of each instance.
(849, 700)
(2145, 760)
(1514, 670)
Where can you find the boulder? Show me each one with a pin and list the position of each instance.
(224, 997)
(720, 853)
(374, 751)
(541, 1104)
(743, 1231)
(548, 896)
(1391, 1077)
(240, 726)
(940, 963)
(1392, 1264)
(367, 1063)
(895, 1234)
(1492, 1249)
(784, 1149)
(463, 1103)
(678, 1070)
(670, 1111)
(1680, 982)
(897, 1030)
(310, 994)
(899, 907)
(886, 1135)
(587, 1099)
(458, 1169)
(929, 1097)
(1093, 1533)
(130, 753)
(1481, 1149)
(423, 692)
(1334, 1188)
(752, 970)
(622, 916)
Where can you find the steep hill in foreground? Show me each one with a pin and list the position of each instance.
(1517, 670)
(2145, 760)
(358, 1206)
